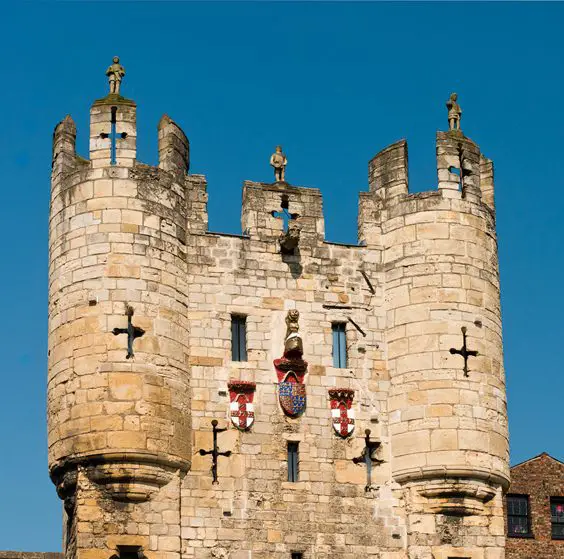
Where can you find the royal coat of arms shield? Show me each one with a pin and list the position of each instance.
(342, 414)
(242, 412)
(292, 395)
(291, 369)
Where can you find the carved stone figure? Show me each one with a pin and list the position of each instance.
(293, 345)
(279, 161)
(291, 370)
(454, 112)
(115, 74)
(290, 239)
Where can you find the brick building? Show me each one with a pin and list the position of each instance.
(272, 395)
(534, 509)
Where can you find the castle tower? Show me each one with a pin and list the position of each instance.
(446, 408)
(118, 401)
(272, 395)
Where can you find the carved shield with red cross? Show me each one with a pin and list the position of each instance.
(241, 394)
(342, 414)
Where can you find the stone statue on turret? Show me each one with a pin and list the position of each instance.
(279, 161)
(115, 74)
(454, 112)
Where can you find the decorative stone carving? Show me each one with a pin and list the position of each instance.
(293, 345)
(115, 74)
(454, 112)
(291, 369)
(290, 239)
(341, 411)
(241, 394)
(279, 161)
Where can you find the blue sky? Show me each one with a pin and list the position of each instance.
(334, 84)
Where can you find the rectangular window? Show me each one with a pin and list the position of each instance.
(293, 461)
(557, 517)
(518, 522)
(339, 345)
(238, 338)
(297, 555)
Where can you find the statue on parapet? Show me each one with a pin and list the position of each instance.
(115, 74)
(279, 161)
(454, 112)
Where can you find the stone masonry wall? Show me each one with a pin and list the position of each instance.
(254, 511)
(125, 433)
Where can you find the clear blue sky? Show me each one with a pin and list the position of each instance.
(333, 83)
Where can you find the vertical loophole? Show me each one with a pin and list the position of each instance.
(113, 137)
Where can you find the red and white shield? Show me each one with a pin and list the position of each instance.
(342, 413)
(241, 394)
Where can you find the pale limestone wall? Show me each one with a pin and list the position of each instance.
(254, 511)
(117, 238)
(449, 440)
(124, 432)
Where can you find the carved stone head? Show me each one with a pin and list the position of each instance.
(290, 239)
(292, 321)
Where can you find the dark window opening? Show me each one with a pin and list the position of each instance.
(293, 461)
(456, 171)
(557, 517)
(238, 338)
(113, 137)
(297, 555)
(130, 552)
(518, 521)
(339, 345)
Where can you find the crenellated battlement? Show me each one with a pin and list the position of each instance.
(463, 174)
(462, 171)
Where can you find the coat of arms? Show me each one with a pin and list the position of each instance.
(342, 414)
(241, 394)
(291, 370)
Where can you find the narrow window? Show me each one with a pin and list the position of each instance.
(238, 338)
(518, 522)
(293, 461)
(557, 517)
(339, 345)
(113, 137)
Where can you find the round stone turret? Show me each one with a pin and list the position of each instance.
(447, 408)
(119, 386)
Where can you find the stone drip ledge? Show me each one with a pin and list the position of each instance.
(442, 472)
